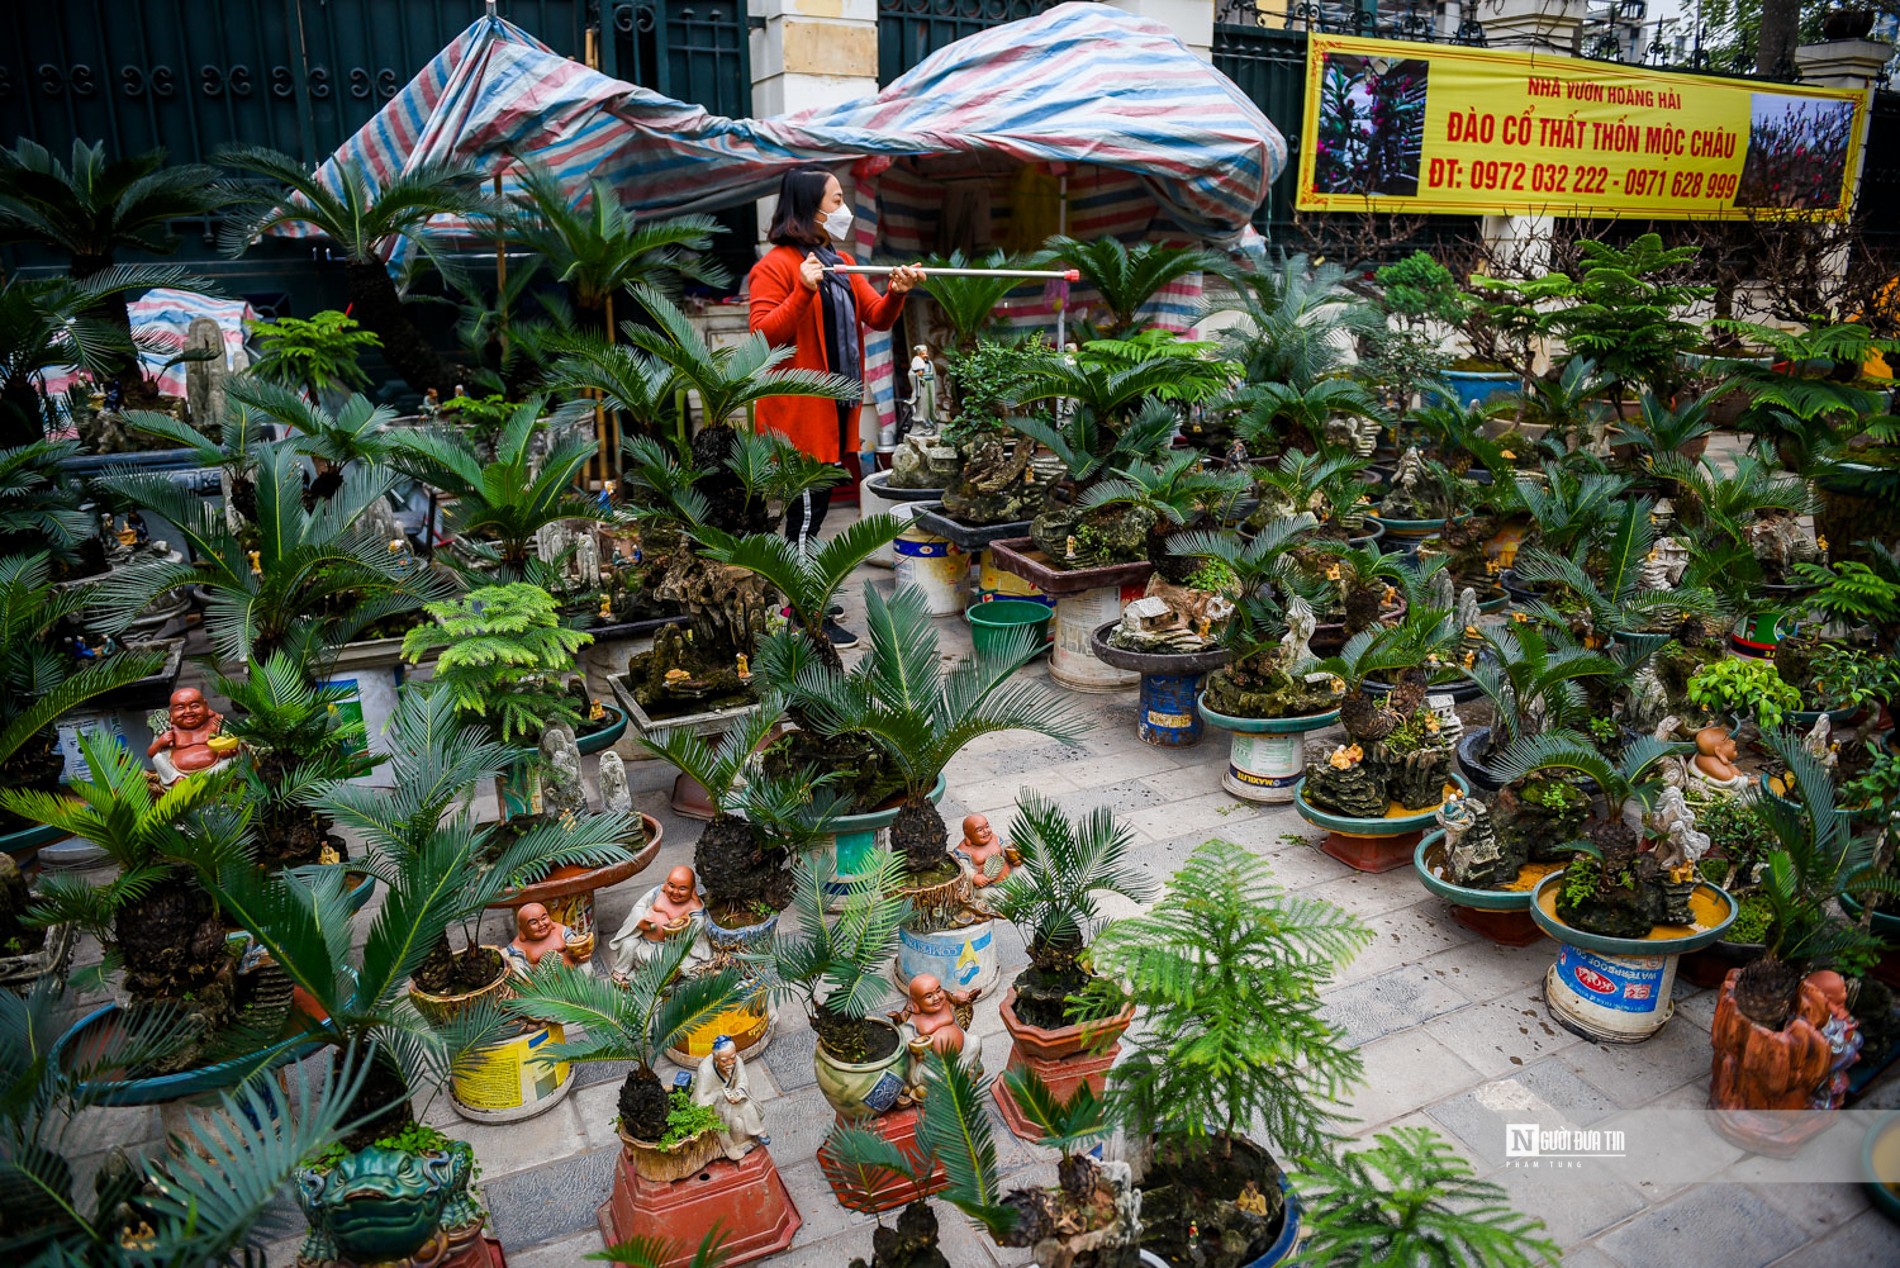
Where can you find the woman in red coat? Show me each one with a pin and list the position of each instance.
(822, 317)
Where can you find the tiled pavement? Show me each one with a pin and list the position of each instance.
(1453, 1031)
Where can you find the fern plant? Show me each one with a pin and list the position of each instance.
(317, 354)
(1227, 969)
(502, 657)
(633, 1019)
(1410, 1198)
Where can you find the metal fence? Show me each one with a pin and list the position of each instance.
(910, 30)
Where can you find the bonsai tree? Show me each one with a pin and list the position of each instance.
(1571, 405)
(807, 572)
(159, 914)
(1532, 681)
(1174, 495)
(356, 432)
(1410, 1198)
(316, 355)
(96, 207)
(1405, 354)
(1572, 506)
(919, 717)
(209, 1202)
(1127, 278)
(363, 216)
(1096, 437)
(41, 682)
(835, 961)
(597, 249)
(497, 505)
(502, 657)
(1271, 409)
(1299, 319)
(657, 1008)
(1053, 897)
(1227, 969)
(293, 738)
(1600, 591)
(1746, 688)
(306, 580)
(1325, 485)
(969, 303)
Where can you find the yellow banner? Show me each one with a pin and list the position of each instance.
(1396, 126)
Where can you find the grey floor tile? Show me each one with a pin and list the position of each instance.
(1714, 1226)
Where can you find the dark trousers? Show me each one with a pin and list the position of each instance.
(804, 513)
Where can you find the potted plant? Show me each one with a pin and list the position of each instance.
(806, 573)
(835, 964)
(1408, 1197)
(1661, 430)
(1227, 970)
(1747, 689)
(1423, 298)
(501, 654)
(1532, 682)
(1062, 1025)
(315, 355)
(1300, 319)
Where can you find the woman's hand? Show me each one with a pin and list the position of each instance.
(811, 272)
(905, 276)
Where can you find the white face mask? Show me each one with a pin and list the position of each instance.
(837, 223)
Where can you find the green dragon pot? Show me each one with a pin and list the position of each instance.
(381, 1205)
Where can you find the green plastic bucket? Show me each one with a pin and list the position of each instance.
(991, 621)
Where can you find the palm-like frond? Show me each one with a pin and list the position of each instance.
(1297, 318)
(835, 961)
(345, 203)
(596, 247)
(968, 303)
(1128, 277)
(655, 1010)
(1054, 895)
(955, 1129)
(806, 575)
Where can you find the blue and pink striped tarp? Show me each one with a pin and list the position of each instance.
(1080, 84)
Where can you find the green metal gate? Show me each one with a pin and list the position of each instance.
(910, 30)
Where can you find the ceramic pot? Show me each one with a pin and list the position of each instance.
(663, 1166)
(1064, 1041)
(865, 1089)
(380, 1206)
(440, 1010)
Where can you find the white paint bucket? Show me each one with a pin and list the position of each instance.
(937, 567)
(1072, 660)
(962, 959)
(1619, 998)
(504, 1083)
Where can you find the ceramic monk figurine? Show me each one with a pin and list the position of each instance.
(192, 742)
(931, 1017)
(1715, 754)
(668, 909)
(721, 1084)
(538, 935)
(990, 859)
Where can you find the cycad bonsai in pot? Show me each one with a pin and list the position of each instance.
(834, 962)
(1532, 681)
(1227, 971)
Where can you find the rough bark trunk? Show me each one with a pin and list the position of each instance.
(379, 308)
(1780, 31)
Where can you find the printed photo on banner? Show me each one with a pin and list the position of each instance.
(1797, 152)
(1372, 125)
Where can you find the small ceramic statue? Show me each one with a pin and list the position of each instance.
(1820, 744)
(1681, 845)
(192, 742)
(721, 1085)
(923, 390)
(1472, 852)
(538, 935)
(990, 858)
(562, 792)
(615, 797)
(931, 1017)
(1451, 727)
(668, 910)
(1715, 759)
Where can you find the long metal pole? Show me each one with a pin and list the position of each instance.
(881, 270)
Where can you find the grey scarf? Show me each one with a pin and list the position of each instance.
(844, 344)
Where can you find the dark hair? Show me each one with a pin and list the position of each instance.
(795, 221)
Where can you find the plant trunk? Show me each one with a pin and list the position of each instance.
(1780, 31)
(116, 311)
(381, 1105)
(379, 308)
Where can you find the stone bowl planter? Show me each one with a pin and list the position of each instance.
(1620, 989)
(853, 838)
(1502, 915)
(865, 1089)
(1372, 845)
(1330, 636)
(933, 519)
(1403, 534)
(19, 972)
(1170, 686)
(597, 737)
(663, 1166)
(689, 799)
(568, 892)
(1470, 745)
(1887, 925)
(1267, 756)
(26, 843)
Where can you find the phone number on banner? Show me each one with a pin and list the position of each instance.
(1576, 178)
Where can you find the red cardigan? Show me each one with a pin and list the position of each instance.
(789, 315)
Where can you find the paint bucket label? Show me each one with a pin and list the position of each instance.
(1266, 761)
(1624, 984)
(505, 1076)
(959, 962)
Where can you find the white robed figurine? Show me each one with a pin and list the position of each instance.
(722, 1085)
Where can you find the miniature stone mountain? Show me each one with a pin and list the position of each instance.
(1620, 892)
(1073, 538)
(1475, 857)
(922, 461)
(1780, 542)
(1411, 496)
(1279, 682)
(1396, 754)
(1172, 618)
(998, 483)
(1540, 817)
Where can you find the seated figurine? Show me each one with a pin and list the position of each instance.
(538, 935)
(192, 742)
(1714, 761)
(989, 857)
(931, 1016)
(721, 1085)
(670, 909)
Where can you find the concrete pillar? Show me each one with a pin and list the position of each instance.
(1843, 63)
(1541, 26)
(812, 53)
(1192, 21)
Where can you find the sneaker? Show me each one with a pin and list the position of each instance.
(835, 610)
(839, 635)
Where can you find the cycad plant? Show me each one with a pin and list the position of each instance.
(299, 579)
(807, 573)
(363, 217)
(1126, 277)
(1571, 506)
(1662, 430)
(157, 915)
(1571, 404)
(502, 657)
(497, 504)
(244, 438)
(1633, 776)
(1531, 680)
(836, 961)
(1227, 970)
(40, 681)
(1054, 898)
(1410, 1198)
(1177, 494)
(1800, 405)
(294, 737)
(1299, 319)
(736, 494)
(355, 432)
(218, 1199)
(1324, 484)
(654, 1009)
(900, 698)
(597, 249)
(39, 505)
(96, 207)
(1279, 414)
(1598, 590)
(968, 303)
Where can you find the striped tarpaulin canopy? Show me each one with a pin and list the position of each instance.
(1082, 83)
